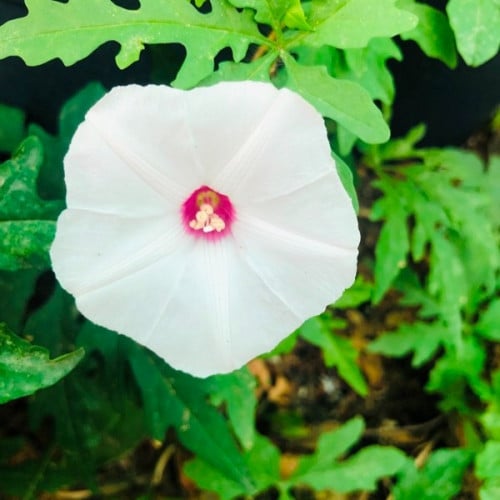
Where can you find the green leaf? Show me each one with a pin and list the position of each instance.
(27, 223)
(173, 398)
(229, 71)
(262, 461)
(11, 128)
(433, 32)
(488, 470)
(359, 293)
(457, 372)
(422, 338)
(295, 17)
(353, 23)
(488, 461)
(337, 351)
(332, 445)
(275, 12)
(476, 24)
(341, 100)
(237, 390)
(16, 289)
(71, 31)
(322, 471)
(25, 368)
(392, 247)
(368, 67)
(488, 325)
(346, 177)
(439, 479)
(95, 409)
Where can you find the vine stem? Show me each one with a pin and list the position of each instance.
(262, 49)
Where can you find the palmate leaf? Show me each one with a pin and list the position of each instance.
(25, 368)
(27, 223)
(71, 31)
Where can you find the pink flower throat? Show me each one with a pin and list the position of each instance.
(207, 213)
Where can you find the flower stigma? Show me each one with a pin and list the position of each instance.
(207, 213)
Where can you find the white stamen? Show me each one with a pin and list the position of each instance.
(207, 220)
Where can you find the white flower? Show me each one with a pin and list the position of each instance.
(205, 224)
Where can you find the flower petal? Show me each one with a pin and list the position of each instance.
(223, 118)
(228, 317)
(92, 250)
(304, 274)
(100, 179)
(205, 305)
(285, 151)
(320, 211)
(150, 123)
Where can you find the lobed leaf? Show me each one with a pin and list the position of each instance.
(322, 471)
(341, 100)
(422, 338)
(71, 31)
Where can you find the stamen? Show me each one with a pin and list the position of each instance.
(207, 212)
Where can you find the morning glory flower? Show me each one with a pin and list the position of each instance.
(205, 224)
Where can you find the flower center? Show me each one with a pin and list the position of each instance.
(207, 213)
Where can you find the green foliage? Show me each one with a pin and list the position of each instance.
(175, 399)
(325, 469)
(27, 223)
(77, 28)
(25, 368)
(476, 24)
(341, 100)
(337, 351)
(439, 479)
(433, 33)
